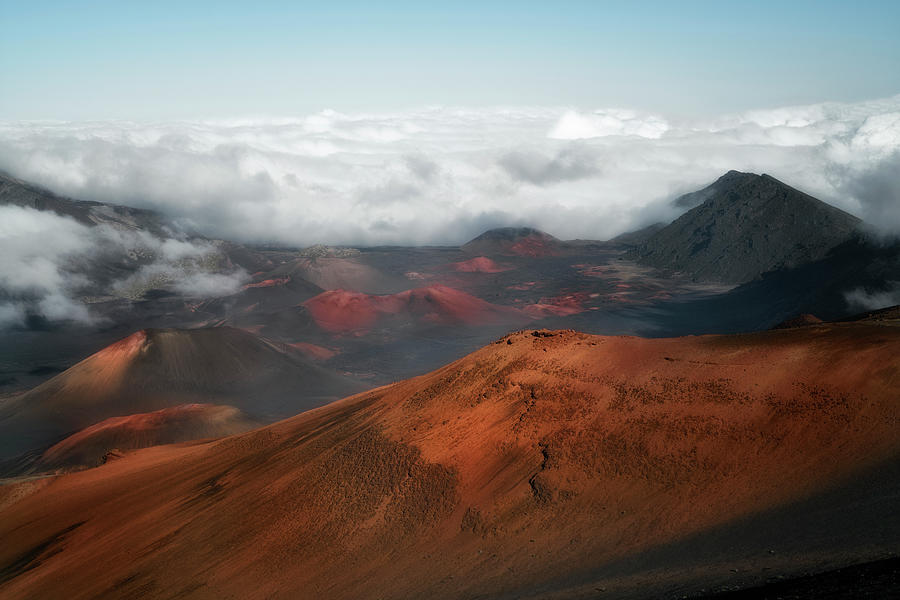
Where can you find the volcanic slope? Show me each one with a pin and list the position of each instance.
(548, 464)
(746, 225)
(91, 446)
(160, 368)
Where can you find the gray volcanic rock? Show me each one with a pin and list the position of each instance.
(748, 224)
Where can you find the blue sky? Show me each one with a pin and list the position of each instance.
(162, 60)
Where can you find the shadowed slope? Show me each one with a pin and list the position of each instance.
(531, 467)
(160, 368)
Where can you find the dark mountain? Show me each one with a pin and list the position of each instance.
(746, 225)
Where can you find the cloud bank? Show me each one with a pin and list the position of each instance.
(52, 266)
(861, 299)
(443, 175)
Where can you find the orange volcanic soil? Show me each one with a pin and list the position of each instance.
(479, 264)
(169, 425)
(160, 368)
(538, 466)
(343, 311)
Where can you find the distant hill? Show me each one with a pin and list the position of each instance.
(514, 241)
(159, 368)
(746, 225)
(91, 446)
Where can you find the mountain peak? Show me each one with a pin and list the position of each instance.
(736, 175)
(744, 225)
(511, 234)
(519, 241)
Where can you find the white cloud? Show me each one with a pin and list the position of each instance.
(37, 247)
(573, 125)
(860, 299)
(439, 175)
(50, 262)
(202, 284)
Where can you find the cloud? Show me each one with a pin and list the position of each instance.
(422, 167)
(39, 249)
(861, 299)
(187, 277)
(573, 125)
(432, 175)
(50, 264)
(571, 163)
(877, 189)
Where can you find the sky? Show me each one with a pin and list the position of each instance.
(191, 60)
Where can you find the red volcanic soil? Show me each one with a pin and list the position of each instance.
(278, 281)
(341, 311)
(559, 306)
(160, 368)
(88, 447)
(549, 464)
(479, 264)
